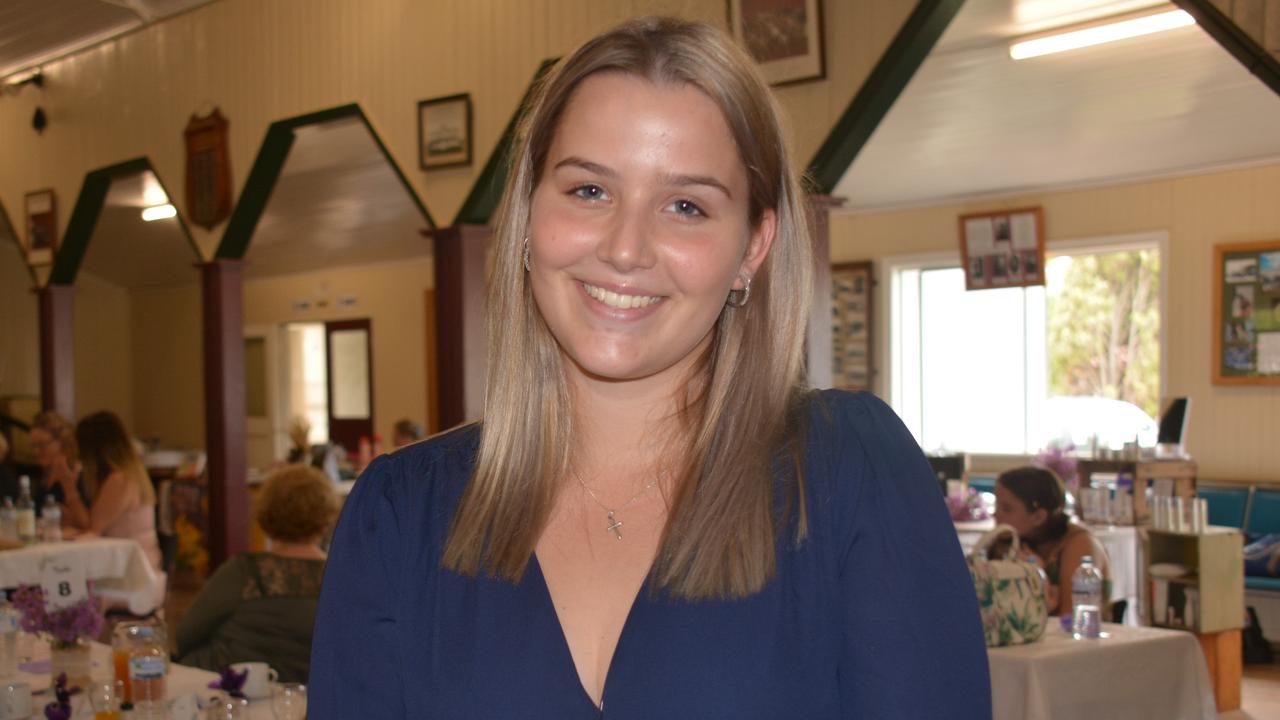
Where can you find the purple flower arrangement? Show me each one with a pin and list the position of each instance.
(968, 506)
(60, 708)
(230, 681)
(1060, 461)
(63, 627)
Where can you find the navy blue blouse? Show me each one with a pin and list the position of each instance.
(872, 616)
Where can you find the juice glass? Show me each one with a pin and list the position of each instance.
(105, 699)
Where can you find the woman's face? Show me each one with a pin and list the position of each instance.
(639, 227)
(1012, 511)
(48, 450)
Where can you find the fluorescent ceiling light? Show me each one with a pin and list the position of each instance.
(159, 212)
(1121, 28)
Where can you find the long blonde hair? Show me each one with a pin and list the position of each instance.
(742, 416)
(105, 447)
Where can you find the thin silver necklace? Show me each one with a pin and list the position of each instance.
(615, 525)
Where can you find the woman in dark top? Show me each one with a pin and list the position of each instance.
(655, 519)
(262, 606)
(1033, 501)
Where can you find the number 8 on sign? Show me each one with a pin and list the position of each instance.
(63, 580)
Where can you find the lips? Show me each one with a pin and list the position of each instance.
(620, 301)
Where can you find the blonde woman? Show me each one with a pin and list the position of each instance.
(654, 517)
(122, 499)
(53, 438)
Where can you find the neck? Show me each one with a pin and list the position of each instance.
(306, 550)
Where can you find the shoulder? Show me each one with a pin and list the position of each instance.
(858, 427)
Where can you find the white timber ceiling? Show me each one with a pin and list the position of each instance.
(127, 251)
(39, 31)
(338, 202)
(973, 122)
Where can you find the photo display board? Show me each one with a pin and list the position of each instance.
(1002, 249)
(1246, 313)
(851, 285)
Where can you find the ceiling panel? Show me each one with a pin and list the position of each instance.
(974, 122)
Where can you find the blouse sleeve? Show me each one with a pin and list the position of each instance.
(355, 664)
(217, 600)
(913, 643)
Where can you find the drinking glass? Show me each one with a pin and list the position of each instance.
(225, 707)
(105, 698)
(289, 701)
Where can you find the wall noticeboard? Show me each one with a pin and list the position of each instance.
(851, 285)
(1003, 248)
(1246, 313)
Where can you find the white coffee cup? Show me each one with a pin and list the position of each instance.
(258, 684)
(15, 701)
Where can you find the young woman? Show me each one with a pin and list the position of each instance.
(262, 606)
(53, 439)
(1033, 501)
(654, 516)
(123, 501)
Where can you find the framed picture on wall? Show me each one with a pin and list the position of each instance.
(42, 227)
(1002, 249)
(851, 347)
(444, 132)
(784, 37)
(1246, 313)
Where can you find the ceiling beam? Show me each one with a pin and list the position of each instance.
(1235, 40)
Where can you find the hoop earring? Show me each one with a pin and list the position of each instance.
(743, 296)
(527, 266)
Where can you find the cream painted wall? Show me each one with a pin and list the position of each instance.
(103, 348)
(1233, 430)
(391, 296)
(265, 61)
(19, 327)
(168, 366)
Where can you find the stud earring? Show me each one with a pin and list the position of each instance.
(743, 296)
(527, 266)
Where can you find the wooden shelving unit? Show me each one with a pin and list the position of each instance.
(1182, 473)
(1216, 557)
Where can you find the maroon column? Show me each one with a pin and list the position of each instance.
(57, 349)
(224, 408)
(819, 335)
(461, 361)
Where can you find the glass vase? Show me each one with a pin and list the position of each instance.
(72, 659)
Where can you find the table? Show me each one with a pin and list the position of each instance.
(118, 568)
(1123, 551)
(183, 680)
(1135, 673)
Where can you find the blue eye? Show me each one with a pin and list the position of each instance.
(588, 192)
(687, 208)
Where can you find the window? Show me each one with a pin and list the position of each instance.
(987, 371)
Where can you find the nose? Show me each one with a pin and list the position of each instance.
(628, 243)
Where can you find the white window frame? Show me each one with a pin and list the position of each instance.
(889, 312)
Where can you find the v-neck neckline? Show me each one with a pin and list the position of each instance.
(549, 605)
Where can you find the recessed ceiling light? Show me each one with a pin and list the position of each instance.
(159, 212)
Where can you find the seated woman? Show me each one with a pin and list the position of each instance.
(261, 606)
(1033, 501)
(121, 499)
(53, 439)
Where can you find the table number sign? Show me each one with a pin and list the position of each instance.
(63, 580)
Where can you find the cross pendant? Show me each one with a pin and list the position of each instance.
(614, 527)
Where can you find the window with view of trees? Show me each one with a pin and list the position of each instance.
(1011, 370)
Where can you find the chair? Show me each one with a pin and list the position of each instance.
(983, 483)
(1117, 611)
(1264, 513)
(1228, 506)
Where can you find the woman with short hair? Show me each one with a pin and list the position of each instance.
(261, 606)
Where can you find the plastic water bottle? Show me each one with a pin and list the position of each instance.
(26, 512)
(51, 520)
(8, 521)
(1086, 600)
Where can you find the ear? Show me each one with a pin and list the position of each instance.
(1039, 516)
(758, 246)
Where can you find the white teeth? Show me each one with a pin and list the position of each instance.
(624, 302)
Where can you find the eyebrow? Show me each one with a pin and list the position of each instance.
(679, 180)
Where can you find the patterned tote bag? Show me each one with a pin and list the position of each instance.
(1010, 592)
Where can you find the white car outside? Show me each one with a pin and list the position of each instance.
(1078, 419)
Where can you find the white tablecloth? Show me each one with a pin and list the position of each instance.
(118, 568)
(182, 680)
(1136, 673)
(1123, 551)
